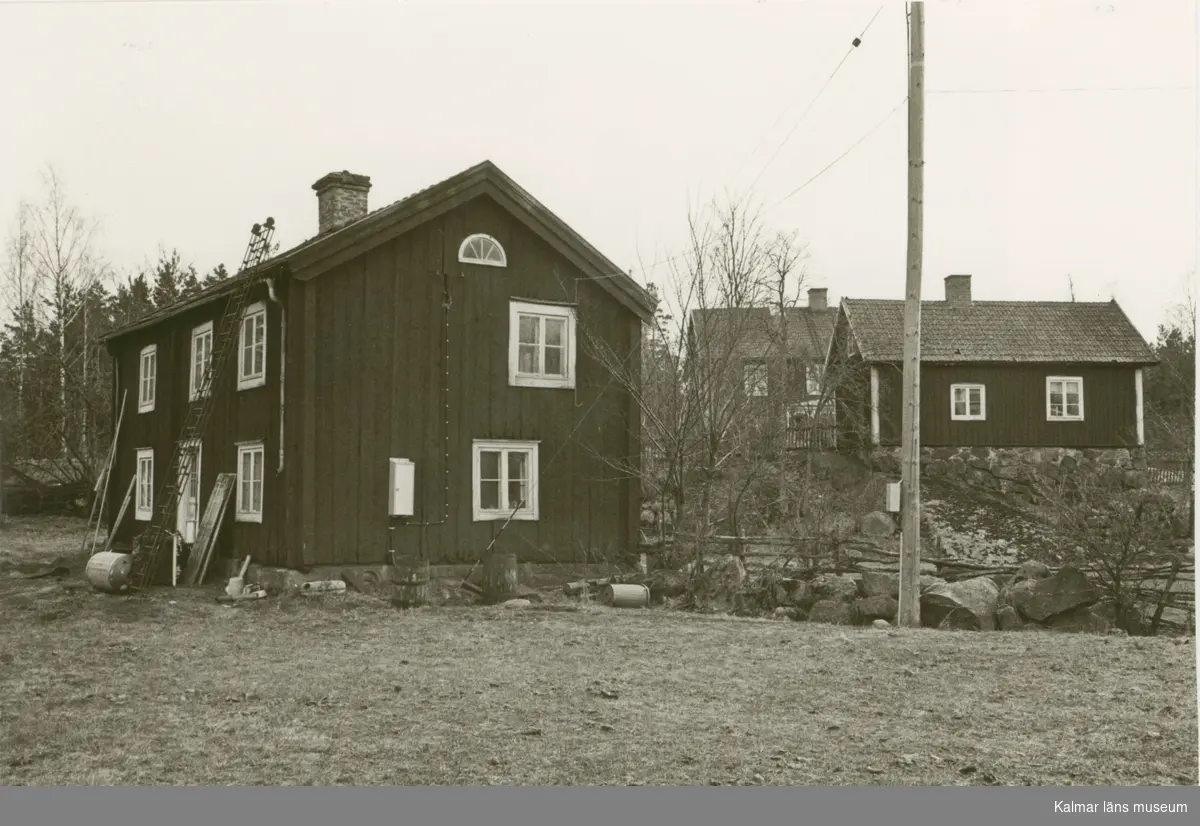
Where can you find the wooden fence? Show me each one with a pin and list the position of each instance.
(1170, 472)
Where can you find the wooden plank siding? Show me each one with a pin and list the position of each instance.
(380, 373)
(368, 378)
(1016, 406)
(237, 415)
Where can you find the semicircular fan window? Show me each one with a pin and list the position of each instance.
(482, 249)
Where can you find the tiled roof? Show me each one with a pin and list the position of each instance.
(1000, 331)
(753, 332)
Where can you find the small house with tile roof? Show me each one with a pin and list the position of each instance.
(424, 377)
(775, 360)
(994, 374)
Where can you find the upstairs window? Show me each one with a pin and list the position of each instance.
(147, 378)
(541, 346)
(1064, 399)
(252, 346)
(482, 249)
(202, 340)
(754, 378)
(968, 402)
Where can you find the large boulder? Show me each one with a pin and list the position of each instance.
(887, 583)
(1007, 618)
(960, 619)
(877, 523)
(978, 598)
(1031, 570)
(832, 612)
(1080, 619)
(1040, 599)
(876, 607)
(840, 587)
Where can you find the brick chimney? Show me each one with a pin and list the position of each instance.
(958, 290)
(818, 298)
(341, 198)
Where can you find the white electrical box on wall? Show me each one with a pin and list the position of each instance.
(893, 497)
(401, 488)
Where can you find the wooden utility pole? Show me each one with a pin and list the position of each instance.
(2, 474)
(910, 438)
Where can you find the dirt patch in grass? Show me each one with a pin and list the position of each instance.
(174, 688)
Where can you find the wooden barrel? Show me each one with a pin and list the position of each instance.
(410, 584)
(501, 579)
(109, 571)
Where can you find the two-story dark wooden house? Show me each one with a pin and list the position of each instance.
(425, 366)
(770, 363)
(995, 374)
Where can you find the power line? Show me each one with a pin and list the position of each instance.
(1060, 90)
(854, 45)
(851, 148)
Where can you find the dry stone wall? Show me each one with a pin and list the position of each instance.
(1012, 470)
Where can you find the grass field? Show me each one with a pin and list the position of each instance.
(174, 688)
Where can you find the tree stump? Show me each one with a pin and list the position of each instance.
(501, 580)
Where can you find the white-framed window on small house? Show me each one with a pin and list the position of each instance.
(541, 345)
(968, 402)
(250, 459)
(201, 363)
(504, 480)
(812, 380)
(147, 377)
(1064, 399)
(143, 506)
(482, 249)
(252, 347)
(754, 377)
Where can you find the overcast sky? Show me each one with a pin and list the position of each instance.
(179, 124)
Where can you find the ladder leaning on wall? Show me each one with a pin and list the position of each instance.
(149, 542)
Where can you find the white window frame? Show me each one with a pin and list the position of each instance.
(967, 387)
(244, 514)
(504, 446)
(143, 493)
(249, 317)
(465, 256)
(147, 378)
(812, 380)
(750, 366)
(517, 309)
(1065, 417)
(199, 333)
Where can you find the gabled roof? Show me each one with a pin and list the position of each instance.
(1000, 331)
(755, 332)
(321, 253)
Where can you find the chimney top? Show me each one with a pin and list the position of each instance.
(958, 290)
(341, 199)
(818, 298)
(343, 178)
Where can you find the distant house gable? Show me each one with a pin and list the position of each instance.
(755, 332)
